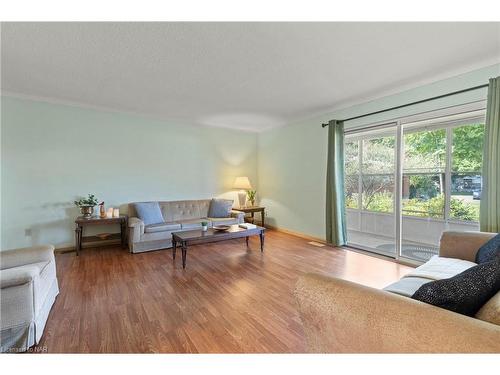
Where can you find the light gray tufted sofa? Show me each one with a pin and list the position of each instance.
(178, 216)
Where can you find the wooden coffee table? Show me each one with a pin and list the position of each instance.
(196, 237)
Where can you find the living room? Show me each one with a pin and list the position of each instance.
(250, 187)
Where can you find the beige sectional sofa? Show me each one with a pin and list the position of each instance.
(343, 317)
(178, 216)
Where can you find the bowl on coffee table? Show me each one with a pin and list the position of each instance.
(221, 228)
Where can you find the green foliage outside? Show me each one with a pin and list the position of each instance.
(433, 207)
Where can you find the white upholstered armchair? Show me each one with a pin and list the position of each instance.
(28, 291)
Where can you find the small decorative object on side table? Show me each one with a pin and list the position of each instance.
(86, 205)
(81, 221)
(242, 184)
(252, 211)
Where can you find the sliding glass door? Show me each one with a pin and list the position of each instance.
(408, 182)
(370, 190)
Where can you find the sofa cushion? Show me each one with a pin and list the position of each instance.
(220, 208)
(438, 268)
(489, 251)
(223, 220)
(152, 228)
(192, 223)
(490, 312)
(407, 286)
(464, 293)
(149, 212)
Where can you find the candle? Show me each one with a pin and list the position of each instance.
(116, 212)
(109, 212)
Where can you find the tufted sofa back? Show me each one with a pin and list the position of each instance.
(179, 210)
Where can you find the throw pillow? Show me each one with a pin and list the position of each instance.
(489, 251)
(464, 293)
(149, 212)
(220, 208)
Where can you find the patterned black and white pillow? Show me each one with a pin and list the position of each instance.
(466, 292)
(489, 251)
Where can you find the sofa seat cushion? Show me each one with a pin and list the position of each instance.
(438, 268)
(223, 220)
(153, 228)
(192, 223)
(407, 286)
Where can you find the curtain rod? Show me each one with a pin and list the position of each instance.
(413, 103)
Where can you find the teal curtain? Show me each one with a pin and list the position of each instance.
(490, 195)
(335, 207)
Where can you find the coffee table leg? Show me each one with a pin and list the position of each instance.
(184, 253)
(261, 241)
(174, 248)
(246, 239)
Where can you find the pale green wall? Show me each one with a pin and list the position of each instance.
(292, 159)
(52, 153)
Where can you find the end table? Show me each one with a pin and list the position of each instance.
(81, 222)
(252, 210)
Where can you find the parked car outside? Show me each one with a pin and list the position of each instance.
(476, 194)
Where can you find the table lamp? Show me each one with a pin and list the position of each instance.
(242, 184)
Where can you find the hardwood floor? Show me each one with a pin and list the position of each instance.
(230, 298)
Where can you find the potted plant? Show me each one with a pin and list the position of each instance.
(204, 226)
(87, 205)
(251, 196)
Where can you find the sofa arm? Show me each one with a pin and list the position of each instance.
(136, 229)
(15, 276)
(238, 215)
(462, 245)
(26, 255)
(341, 316)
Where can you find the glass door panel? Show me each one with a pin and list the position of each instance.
(423, 193)
(370, 191)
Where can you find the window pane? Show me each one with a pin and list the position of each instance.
(378, 155)
(466, 180)
(425, 151)
(424, 174)
(351, 191)
(378, 192)
(423, 195)
(378, 174)
(351, 158)
(351, 162)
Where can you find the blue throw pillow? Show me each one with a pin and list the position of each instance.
(489, 251)
(220, 208)
(149, 212)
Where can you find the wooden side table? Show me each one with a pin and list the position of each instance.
(252, 211)
(81, 222)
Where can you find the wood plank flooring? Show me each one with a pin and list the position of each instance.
(229, 299)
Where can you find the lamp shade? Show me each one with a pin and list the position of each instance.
(242, 183)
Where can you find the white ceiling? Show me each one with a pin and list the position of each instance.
(249, 76)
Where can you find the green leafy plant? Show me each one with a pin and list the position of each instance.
(204, 223)
(251, 195)
(91, 201)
